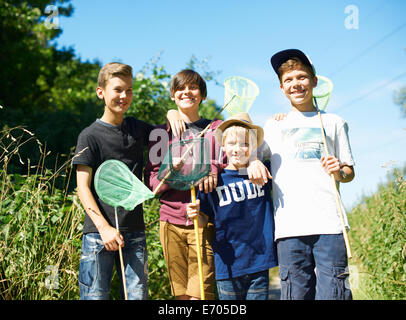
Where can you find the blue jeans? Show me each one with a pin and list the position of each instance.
(313, 267)
(96, 267)
(253, 286)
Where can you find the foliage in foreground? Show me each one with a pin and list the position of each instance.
(378, 240)
(40, 216)
(39, 228)
(40, 231)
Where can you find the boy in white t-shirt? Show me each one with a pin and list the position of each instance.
(311, 250)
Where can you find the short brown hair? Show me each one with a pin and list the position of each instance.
(113, 69)
(186, 77)
(294, 63)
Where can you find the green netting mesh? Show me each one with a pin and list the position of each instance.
(117, 186)
(195, 158)
(244, 92)
(322, 92)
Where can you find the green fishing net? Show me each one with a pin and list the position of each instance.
(186, 163)
(242, 93)
(193, 154)
(322, 92)
(117, 186)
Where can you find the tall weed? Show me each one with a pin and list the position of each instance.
(41, 228)
(378, 240)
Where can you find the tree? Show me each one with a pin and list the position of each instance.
(209, 108)
(25, 36)
(400, 99)
(151, 91)
(24, 39)
(51, 92)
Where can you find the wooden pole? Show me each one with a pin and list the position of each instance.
(121, 259)
(337, 194)
(198, 249)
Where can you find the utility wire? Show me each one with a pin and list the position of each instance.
(369, 150)
(367, 49)
(334, 42)
(377, 88)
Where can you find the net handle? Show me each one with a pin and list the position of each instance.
(333, 180)
(121, 257)
(191, 146)
(198, 249)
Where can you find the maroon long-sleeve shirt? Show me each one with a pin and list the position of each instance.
(173, 202)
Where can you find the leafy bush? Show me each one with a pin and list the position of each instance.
(41, 231)
(40, 215)
(378, 240)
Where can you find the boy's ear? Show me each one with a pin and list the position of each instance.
(100, 93)
(315, 82)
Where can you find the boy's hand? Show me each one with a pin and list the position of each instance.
(208, 183)
(111, 238)
(177, 164)
(193, 212)
(332, 166)
(342, 173)
(193, 209)
(175, 123)
(258, 173)
(279, 116)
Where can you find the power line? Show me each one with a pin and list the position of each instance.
(334, 42)
(377, 88)
(380, 146)
(368, 49)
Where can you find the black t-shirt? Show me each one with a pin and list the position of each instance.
(125, 143)
(198, 125)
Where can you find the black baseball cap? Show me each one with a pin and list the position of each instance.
(282, 56)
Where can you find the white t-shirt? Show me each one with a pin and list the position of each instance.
(303, 192)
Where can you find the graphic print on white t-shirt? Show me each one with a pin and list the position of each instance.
(303, 143)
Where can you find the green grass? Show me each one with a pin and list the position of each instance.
(378, 241)
(41, 229)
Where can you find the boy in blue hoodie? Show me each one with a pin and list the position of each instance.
(243, 244)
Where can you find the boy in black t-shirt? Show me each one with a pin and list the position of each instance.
(111, 137)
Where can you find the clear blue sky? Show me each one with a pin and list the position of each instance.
(366, 64)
